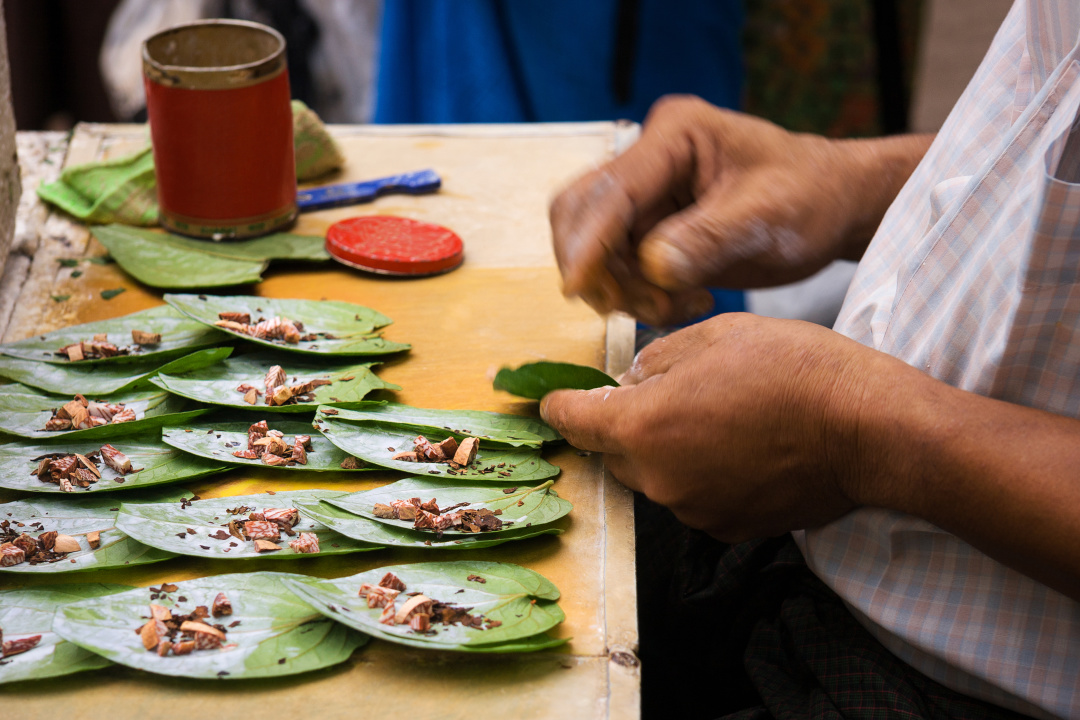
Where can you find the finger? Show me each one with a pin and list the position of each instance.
(695, 246)
(650, 304)
(588, 419)
(623, 470)
(662, 354)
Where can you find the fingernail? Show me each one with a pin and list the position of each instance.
(543, 408)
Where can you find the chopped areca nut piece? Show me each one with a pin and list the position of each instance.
(420, 622)
(448, 447)
(262, 530)
(152, 633)
(352, 463)
(160, 612)
(65, 544)
(272, 459)
(299, 454)
(184, 647)
(285, 517)
(11, 554)
(74, 352)
(94, 538)
(275, 378)
(237, 317)
(407, 456)
(26, 543)
(392, 581)
(280, 396)
(251, 396)
(231, 325)
(115, 459)
(388, 615)
(15, 647)
(466, 452)
(306, 543)
(304, 441)
(145, 338)
(221, 605)
(246, 454)
(163, 648)
(385, 511)
(416, 604)
(266, 546)
(378, 597)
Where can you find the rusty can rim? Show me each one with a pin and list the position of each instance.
(220, 76)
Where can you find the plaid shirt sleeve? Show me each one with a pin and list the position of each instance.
(974, 277)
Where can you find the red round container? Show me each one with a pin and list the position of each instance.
(392, 245)
(217, 97)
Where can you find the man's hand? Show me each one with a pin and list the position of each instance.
(710, 197)
(743, 426)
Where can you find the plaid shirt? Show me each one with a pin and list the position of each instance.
(974, 277)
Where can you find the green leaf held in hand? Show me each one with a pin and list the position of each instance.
(535, 380)
(369, 531)
(217, 384)
(218, 441)
(523, 507)
(179, 334)
(516, 605)
(24, 412)
(29, 612)
(378, 443)
(155, 463)
(340, 328)
(270, 633)
(90, 514)
(100, 379)
(497, 427)
(201, 528)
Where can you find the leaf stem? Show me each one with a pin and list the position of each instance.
(524, 493)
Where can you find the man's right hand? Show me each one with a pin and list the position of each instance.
(710, 197)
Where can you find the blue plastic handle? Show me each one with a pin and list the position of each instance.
(328, 196)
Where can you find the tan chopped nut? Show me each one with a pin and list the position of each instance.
(57, 424)
(407, 456)
(65, 544)
(378, 597)
(392, 581)
(94, 538)
(275, 460)
(74, 352)
(425, 520)
(11, 554)
(163, 648)
(466, 452)
(152, 633)
(299, 454)
(388, 615)
(352, 463)
(364, 588)
(262, 530)
(251, 396)
(232, 325)
(262, 546)
(306, 543)
(415, 604)
(385, 511)
(160, 612)
(101, 337)
(140, 337)
(26, 543)
(125, 415)
(86, 463)
(221, 605)
(184, 647)
(448, 447)
(281, 395)
(277, 446)
(246, 454)
(115, 459)
(420, 622)
(303, 441)
(206, 636)
(47, 539)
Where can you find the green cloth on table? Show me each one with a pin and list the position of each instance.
(124, 190)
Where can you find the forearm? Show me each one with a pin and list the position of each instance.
(1003, 477)
(875, 171)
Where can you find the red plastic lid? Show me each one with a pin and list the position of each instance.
(394, 245)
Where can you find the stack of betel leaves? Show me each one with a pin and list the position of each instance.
(210, 385)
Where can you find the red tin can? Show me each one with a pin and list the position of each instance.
(217, 97)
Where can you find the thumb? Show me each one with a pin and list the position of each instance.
(693, 247)
(587, 419)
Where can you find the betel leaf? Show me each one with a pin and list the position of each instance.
(369, 531)
(270, 633)
(535, 380)
(377, 443)
(24, 412)
(77, 519)
(28, 612)
(179, 334)
(164, 265)
(342, 328)
(217, 384)
(156, 463)
(218, 442)
(525, 506)
(102, 379)
(201, 528)
(276, 246)
(522, 600)
(497, 427)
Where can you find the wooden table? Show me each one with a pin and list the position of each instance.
(502, 306)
